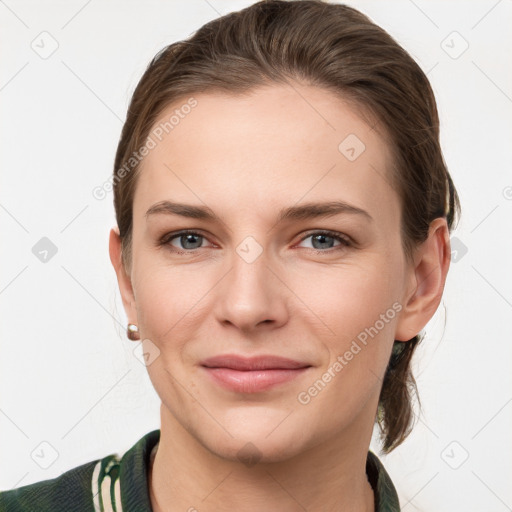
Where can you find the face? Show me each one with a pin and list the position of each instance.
(263, 272)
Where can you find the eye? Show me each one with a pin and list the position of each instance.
(322, 241)
(188, 241)
(184, 241)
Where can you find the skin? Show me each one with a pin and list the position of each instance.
(246, 158)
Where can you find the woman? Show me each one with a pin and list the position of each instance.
(283, 213)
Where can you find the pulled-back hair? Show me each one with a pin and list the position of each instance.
(334, 47)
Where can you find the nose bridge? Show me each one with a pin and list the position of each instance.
(250, 275)
(250, 294)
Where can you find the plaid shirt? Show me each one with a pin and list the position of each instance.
(119, 482)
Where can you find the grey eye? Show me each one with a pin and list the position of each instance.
(188, 241)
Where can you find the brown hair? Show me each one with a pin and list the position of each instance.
(334, 47)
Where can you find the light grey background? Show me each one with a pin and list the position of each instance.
(68, 375)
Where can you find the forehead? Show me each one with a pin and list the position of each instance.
(272, 147)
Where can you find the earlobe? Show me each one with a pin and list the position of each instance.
(123, 279)
(431, 264)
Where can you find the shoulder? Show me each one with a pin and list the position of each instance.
(91, 487)
(69, 491)
(386, 497)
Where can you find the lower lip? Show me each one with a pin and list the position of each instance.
(252, 381)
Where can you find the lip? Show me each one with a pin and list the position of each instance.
(263, 362)
(252, 374)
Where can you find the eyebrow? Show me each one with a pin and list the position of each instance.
(302, 212)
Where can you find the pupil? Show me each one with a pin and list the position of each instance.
(189, 238)
(322, 243)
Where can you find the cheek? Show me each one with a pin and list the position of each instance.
(358, 309)
(170, 301)
(170, 308)
(348, 298)
(360, 312)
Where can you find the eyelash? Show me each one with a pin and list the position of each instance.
(345, 240)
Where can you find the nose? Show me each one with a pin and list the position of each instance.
(251, 296)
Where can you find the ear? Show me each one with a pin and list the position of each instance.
(123, 279)
(428, 271)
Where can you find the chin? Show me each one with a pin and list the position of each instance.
(255, 450)
(266, 440)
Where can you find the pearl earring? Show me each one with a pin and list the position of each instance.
(132, 331)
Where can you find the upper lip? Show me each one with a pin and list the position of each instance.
(263, 362)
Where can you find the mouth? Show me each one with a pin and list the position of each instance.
(253, 374)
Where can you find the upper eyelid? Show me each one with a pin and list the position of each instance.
(172, 235)
(329, 232)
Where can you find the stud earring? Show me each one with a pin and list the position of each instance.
(132, 331)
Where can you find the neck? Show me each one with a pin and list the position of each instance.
(330, 477)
